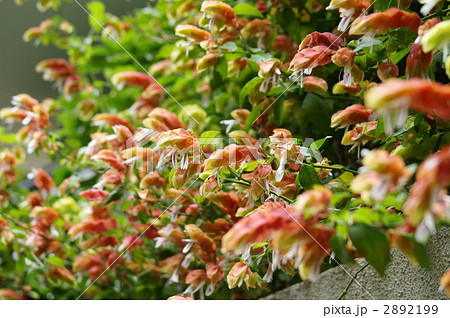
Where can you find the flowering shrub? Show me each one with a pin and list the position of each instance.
(216, 149)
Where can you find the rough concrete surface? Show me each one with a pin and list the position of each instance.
(403, 280)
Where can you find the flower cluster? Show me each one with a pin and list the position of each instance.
(189, 162)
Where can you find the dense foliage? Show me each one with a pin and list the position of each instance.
(226, 150)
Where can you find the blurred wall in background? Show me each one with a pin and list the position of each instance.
(18, 59)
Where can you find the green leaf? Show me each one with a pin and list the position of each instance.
(126, 204)
(208, 137)
(372, 244)
(250, 86)
(229, 46)
(383, 5)
(97, 17)
(316, 111)
(367, 42)
(7, 138)
(278, 111)
(396, 57)
(276, 91)
(243, 212)
(60, 174)
(113, 196)
(222, 67)
(231, 56)
(403, 36)
(418, 120)
(21, 265)
(314, 154)
(288, 20)
(250, 166)
(421, 255)
(252, 117)
(340, 198)
(380, 127)
(143, 217)
(338, 245)
(54, 260)
(346, 178)
(258, 245)
(400, 132)
(319, 143)
(307, 177)
(261, 57)
(165, 51)
(247, 10)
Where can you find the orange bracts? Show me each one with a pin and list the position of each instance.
(161, 119)
(46, 216)
(310, 58)
(326, 39)
(179, 141)
(293, 236)
(348, 9)
(352, 115)
(380, 22)
(445, 282)
(314, 202)
(42, 180)
(259, 28)
(427, 200)
(418, 62)
(111, 120)
(217, 13)
(96, 264)
(99, 241)
(55, 69)
(10, 294)
(94, 195)
(399, 95)
(200, 243)
(240, 273)
(231, 155)
(58, 274)
(131, 78)
(382, 174)
(315, 85)
(194, 34)
(271, 73)
(386, 71)
(93, 227)
(110, 158)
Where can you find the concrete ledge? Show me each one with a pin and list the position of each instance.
(403, 280)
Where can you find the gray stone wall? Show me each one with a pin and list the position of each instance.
(403, 280)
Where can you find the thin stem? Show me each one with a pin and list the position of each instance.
(248, 183)
(307, 11)
(436, 13)
(345, 291)
(234, 173)
(282, 197)
(23, 226)
(285, 74)
(341, 97)
(243, 40)
(332, 168)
